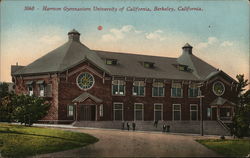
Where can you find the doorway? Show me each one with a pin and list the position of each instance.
(88, 113)
(214, 113)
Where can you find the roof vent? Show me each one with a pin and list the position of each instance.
(148, 64)
(74, 35)
(111, 61)
(187, 48)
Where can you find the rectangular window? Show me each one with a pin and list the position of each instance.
(193, 91)
(158, 89)
(118, 111)
(101, 110)
(193, 112)
(48, 90)
(176, 90)
(139, 88)
(138, 112)
(208, 112)
(176, 111)
(41, 90)
(70, 110)
(30, 90)
(158, 111)
(118, 87)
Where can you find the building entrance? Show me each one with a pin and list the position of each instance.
(88, 113)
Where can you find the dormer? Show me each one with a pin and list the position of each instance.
(183, 67)
(147, 64)
(111, 61)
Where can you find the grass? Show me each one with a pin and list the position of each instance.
(228, 148)
(21, 141)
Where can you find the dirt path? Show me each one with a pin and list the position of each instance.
(115, 143)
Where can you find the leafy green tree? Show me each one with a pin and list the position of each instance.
(6, 107)
(241, 120)
(4, 89)
(29, 109)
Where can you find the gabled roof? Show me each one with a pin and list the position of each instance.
(216, 73)
(86, 95)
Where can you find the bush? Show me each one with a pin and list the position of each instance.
(29, 109)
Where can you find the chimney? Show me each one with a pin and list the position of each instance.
(74, 35)
(187, 48)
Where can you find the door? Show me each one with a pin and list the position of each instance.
(88, 113)
(214, 113)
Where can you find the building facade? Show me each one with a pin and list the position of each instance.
(91, 85)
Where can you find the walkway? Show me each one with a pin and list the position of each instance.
(115, 143)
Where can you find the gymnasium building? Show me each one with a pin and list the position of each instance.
(93, 85)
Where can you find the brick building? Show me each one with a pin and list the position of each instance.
(92, 85)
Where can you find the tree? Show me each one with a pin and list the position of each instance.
(29, 109)
(241, 120)
(6, 107)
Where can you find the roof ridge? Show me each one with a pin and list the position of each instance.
(134, 54)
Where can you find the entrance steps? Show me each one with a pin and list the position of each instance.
(210, 127)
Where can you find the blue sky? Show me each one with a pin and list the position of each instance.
(220, 30)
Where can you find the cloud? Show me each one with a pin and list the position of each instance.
(226, 44)
(156, 35)
(118, 34)
(210, 41)
(213, 41)
(47, 39)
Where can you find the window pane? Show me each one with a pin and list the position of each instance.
(193, 107)
(176, 85)
(136, 90)
(118, 106)
(115, 89)
(70, 110)
(208, 112)
(115, 82)
(158, 115)
(161, 91)
(174, 92)
(177, 115)
(138, 115)
(177, 107)
(196, 92)
(193, 115)
(121, 89)
(179, 92)
(118, 115)
(141, 90)
(138, 106)
(158, 106)
(155, 91)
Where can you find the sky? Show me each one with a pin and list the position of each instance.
(217, 30)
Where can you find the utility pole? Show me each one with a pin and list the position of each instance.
(201, 108)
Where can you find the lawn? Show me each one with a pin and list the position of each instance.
(228, 148)
(21, 141)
